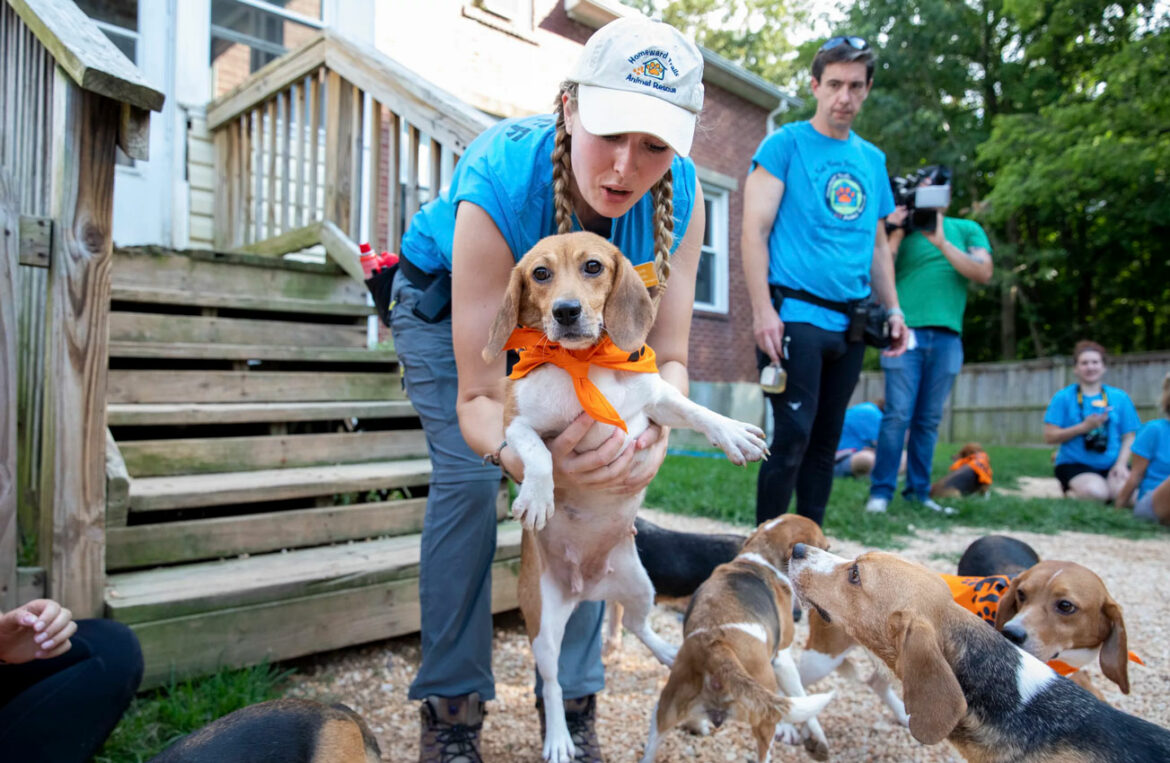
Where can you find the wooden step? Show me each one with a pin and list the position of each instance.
(187, 589)
(176, 350)
(150, 494)
(197, 618)
(200, 455)
(154, 295)
(187, 414)
(200, 329)
(133, 386)
(195, 540)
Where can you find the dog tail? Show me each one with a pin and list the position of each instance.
(726, 675)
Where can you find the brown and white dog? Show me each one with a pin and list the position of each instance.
(737, 637)
(578, 545)
(961, 680)
(1059, 612)
(970, 473)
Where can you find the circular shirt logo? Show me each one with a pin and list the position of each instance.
(845, 196)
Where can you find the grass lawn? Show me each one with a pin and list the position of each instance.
(713, 487)
(157, 718)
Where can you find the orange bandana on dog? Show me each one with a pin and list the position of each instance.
(535, 350)
(982, 596)
(979, 464)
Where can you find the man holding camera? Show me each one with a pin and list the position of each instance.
(814, 247)
(935, 256)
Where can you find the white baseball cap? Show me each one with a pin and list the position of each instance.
(638, 75)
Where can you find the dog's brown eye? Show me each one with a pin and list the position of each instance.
(854, 575)
(541, 274)
(592, 267)
(1065, 607)
(1021, 596)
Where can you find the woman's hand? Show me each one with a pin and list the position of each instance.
(36, 631)
(606, 467)
(654, 441)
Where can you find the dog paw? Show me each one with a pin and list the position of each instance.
(533, 506)
(699, 727)
(741, 442)
(787, 733)
(817, 749)
(558, 748)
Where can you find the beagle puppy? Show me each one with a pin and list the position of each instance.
(970, 472)
(577, 305)
(279, 731)
(962, 681)
(737, 636)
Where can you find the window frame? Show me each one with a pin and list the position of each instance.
(718, 222)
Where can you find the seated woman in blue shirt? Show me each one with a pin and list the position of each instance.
(1094, 424)
(1150, 475)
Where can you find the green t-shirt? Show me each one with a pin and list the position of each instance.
(930, 290)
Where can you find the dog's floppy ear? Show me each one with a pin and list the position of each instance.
(628, 311)
(933, 696)
(507, 317)
(1007, 602)
(1115, 651)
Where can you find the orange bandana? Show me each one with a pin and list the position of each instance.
(535, 350)
(982, 596)
(979, 463)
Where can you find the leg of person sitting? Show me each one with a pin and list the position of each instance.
(902, 375)
(1114, 483)
(792, 419)
(861, 462)
(63, 709)
(941, 360)
(839, 372)
(1161, 501)
(1088, 486)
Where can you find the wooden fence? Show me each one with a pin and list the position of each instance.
(1004, 403)
(69, 97)
(290, 145)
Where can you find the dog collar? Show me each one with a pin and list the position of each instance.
(535, 350)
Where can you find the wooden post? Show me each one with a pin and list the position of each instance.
(338, 150)
(377, 186)
(73, 478)
(394, 182)
(9, 244)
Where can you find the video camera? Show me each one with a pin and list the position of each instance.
(922, 202)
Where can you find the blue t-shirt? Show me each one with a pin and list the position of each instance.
(862, 423)
(1153, 443)
(1064, 412)
(835, 192)
(507, 171)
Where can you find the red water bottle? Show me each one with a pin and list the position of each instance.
(369, 261)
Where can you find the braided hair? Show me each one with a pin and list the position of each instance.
(662, 194)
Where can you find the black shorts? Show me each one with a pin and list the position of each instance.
(1065, 473)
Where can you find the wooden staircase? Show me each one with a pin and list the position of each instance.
(266, 476)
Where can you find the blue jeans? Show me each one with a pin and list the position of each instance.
(459, 533)
(917, 385)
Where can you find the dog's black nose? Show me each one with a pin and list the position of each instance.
(799, 551)
(1015, 634)
(567, 312)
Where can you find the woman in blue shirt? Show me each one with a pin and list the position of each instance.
(611, 160)
(1150, 475)
(1094, 424)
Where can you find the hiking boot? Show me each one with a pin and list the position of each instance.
(581, 718)
(450, 729)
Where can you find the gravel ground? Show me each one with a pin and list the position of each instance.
(373, 679)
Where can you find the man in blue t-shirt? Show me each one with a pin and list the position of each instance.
(814, 241)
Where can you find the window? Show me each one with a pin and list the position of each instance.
(513, 17)
(247, 34)
(711, 283)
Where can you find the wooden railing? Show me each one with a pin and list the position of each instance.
(68, 99)
(290, 145)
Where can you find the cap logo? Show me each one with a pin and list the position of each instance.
(649, 70)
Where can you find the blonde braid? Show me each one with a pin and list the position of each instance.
(562, 163)
(663, 196)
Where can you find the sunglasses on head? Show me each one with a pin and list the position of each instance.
(857, 43)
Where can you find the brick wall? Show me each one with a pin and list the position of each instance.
(722, 346)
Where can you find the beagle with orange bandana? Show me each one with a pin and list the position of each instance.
(737, 636)
(1059, 612)
(578, 313)
(961, 680)
(970, 472)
